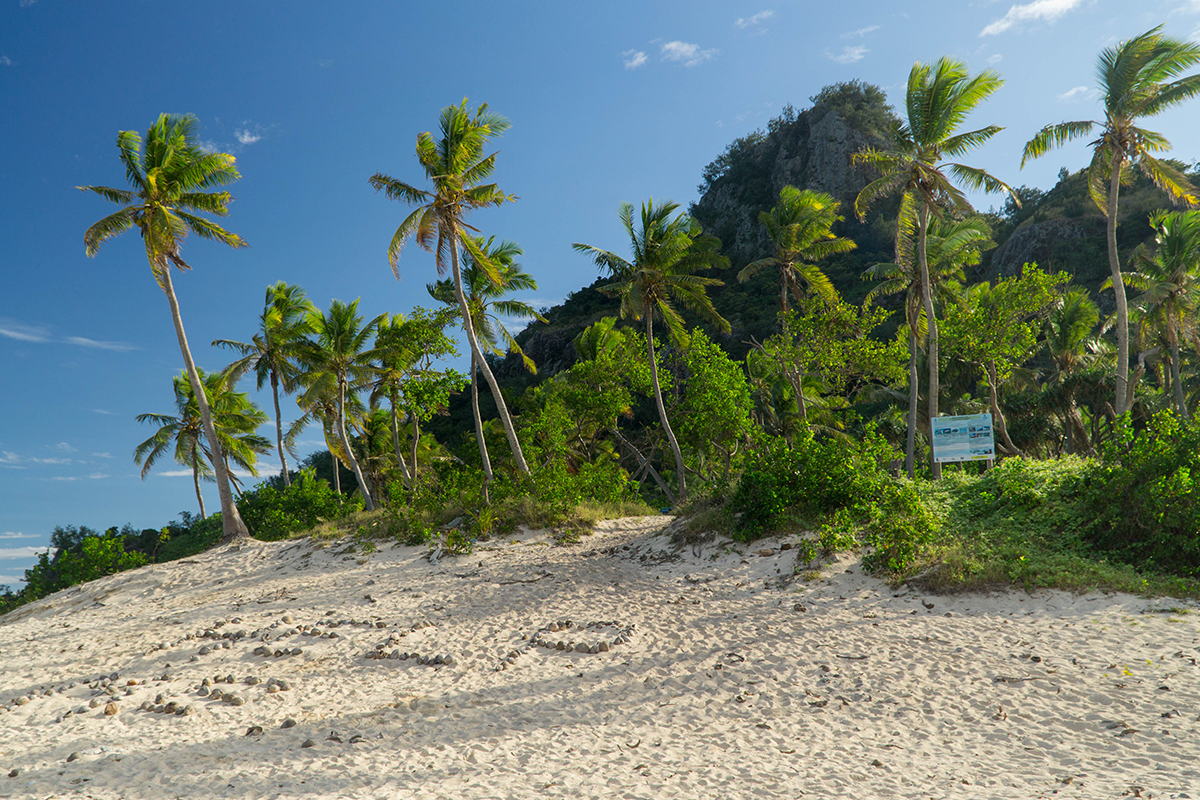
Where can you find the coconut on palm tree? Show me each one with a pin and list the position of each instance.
(938, 100)
(1137, 78)
(457, 166)
(234, 416)
(665, 252)
(172, 177)
(273, 351)
(799, 227)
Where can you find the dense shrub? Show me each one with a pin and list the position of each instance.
(271, 513)
(92, 556)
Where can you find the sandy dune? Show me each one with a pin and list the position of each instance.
(724, 677)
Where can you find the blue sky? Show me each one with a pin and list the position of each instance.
(609, 102)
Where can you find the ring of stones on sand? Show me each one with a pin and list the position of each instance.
(386, 651)
(592, 637)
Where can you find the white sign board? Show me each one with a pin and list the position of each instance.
(965, 438)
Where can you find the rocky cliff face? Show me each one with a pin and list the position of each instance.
(1037, 242)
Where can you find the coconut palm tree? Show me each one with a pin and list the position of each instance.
(1170, 284)
(338, 358)
(1069, 331)
(234, 416)
(485, 298)
(937, 102)
(799, 226)
(665, 253)
(171, 180)
(272, 352)
(456, 165)
(951, 247)
(1135, 81)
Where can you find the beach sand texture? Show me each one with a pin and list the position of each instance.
(725, 676)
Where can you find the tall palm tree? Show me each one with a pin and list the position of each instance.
(799, 226)
(665, 253)
(170, 181)
(456, 165)
(485, 298)
(272, 352)
(234, 416)
(937, 102)
(1135, 81)
(1170, 284)
(951, 247)
(338, 358)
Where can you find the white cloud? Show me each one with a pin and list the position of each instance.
(15, 535)
(860, 32)
(95, 476)
(757, 19)
(105, 413)
(633, 58)
(27, 3)
(63, 447)
(5, 61)
(244, 136)
(848, 55)
(17, 461)
(120, 347)
(1076, 93)
(24, 552)
(14, 329)
(689, 54)
(1045, 10)
(995, 59)
(103, 455)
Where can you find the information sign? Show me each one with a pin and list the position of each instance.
(964, 438)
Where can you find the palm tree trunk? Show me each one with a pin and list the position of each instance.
(927, 300)
(914, 395)
(287, 479)
(341, 423)
(396, 444)
(232, 526)
(196, 481)
(416, 441)
(798, 385)
(662, 411)
(1176, 382)
(477, 356)
(1114, 266)
(483, 451)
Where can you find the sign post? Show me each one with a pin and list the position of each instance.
(963, 438)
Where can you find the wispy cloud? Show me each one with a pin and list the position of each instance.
(633, 58)
(120, 347)
(103, 455)
(245, 136)
(104, 412)
(24, 552)
(756, 21)
(1038, 10)
(5, 61)
(860, 32)
(325, 63)
(1076, 93)
(95, 476)
(15, 535)
(14, 460)
(848, 55)
(689, 54)
(42, 334)
(27, 3)
(63, 447)
(995, 58)
(22, 332)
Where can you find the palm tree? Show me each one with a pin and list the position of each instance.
(938, 100)
(799, 227)
(1170, 281)
(1070, 328)
(951, 246)
(1134, 79)
(456, 165)
(234, 416)
(170, 182)
(485, 299)
(338, 359)
(665, 253)
(272, 352)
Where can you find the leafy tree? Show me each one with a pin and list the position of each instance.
(1070, 328)
(235, 418)
(714, 411)
(338, 360)
(456, 165)
(665, 253)
(799, 227)
(273, 352)
(1135, 81)
(170, 183)
(938, 100)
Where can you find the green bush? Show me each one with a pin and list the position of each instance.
(1142, 496)
(272, 514)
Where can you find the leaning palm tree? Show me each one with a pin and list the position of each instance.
(234, 416)
(799, 227)
(1170, 284)
(1135, 81)
(951, 247)
(938, 100)
(273, 350)
(485, 298)
(665, 253)
(171, 180)
(456, 165)
(338, 359)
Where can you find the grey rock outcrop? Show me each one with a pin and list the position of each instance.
(1033, 241)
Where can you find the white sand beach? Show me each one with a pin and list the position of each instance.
(725, 677)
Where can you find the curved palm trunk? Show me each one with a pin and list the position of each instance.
(1114, 266)
(914, 396)
(483, 451)
(662, 411)
(287, 479)
(477, 356)
(232, 526)
(927, 300)
(404, 474)
(1176, 381)
(368, 504)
